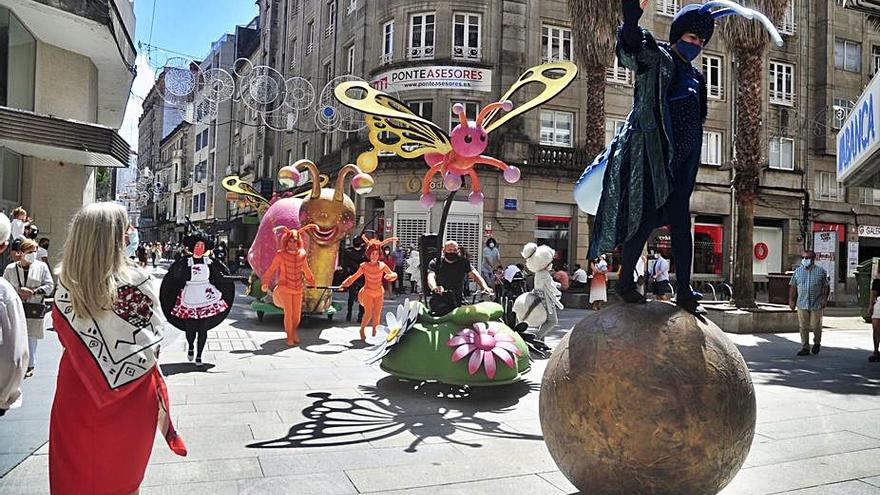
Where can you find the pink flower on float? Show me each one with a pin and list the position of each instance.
(483, 344)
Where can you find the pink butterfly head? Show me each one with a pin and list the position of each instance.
(470, 139)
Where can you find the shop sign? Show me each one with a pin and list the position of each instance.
(434, 77)
(852, 258)
(509, 204)
(869, 230)
(488, 229)
(761, 251)
(858, 138)
(825, 246)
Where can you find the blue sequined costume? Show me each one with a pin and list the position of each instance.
(653, 162)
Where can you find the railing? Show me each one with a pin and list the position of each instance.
(467, 53)
(421, 52)
(782, 98)
(385, 59)
(351, 7)
(558, 158)
(329, 31)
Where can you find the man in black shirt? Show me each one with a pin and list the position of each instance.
(352, 257)
(446, 277)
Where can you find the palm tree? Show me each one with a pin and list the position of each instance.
(594, 33)
(749, 42)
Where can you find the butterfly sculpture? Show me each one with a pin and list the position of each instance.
(394, 128)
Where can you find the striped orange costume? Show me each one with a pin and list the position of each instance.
(292, 267)
(372, 295)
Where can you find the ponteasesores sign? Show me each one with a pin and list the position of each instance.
(859, 139)
(434, 77)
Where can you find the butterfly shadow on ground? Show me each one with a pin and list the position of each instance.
(393, 407)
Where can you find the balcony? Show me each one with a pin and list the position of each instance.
(328, 32)
(557, 158)
(469, 53)
(176, 154)
(98, 29)
(385, 59)
(421, 52)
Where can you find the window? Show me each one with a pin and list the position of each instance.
(421, 36)
(827, 187)
(612, 127)
(875, 57)
(668, 7)
(18, 55)
(466, 36)
(789, 21)
(387, 42)
(869, 196)
(711, 154)
(471, 109)
(556, 128)
(618, 74)
(714, 81)
(424, 109)
(304, 150)
(781, 83)
(331, 18)
(782, 153)
(328, 71)
(349, 61)
(555, 43)
(327, 143)
(842, 107)
(847, 55)
(10, 178)
(292, 54)
(310, 36)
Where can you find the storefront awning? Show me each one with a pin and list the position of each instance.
(63, 140)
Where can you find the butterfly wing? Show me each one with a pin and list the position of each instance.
(237, 190)
(552, 77)
(393, 126)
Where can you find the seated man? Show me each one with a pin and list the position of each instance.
(446, 278)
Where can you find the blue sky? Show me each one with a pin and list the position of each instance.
(185, 26)
(190, 26)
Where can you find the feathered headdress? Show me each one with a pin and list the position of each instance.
(700, 20)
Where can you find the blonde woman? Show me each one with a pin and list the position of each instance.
(13, 335)
(32, 280)
(110, 396)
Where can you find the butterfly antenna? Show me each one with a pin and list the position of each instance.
(491, 108)
(458, 108)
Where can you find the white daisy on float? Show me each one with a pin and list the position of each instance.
(395, 327)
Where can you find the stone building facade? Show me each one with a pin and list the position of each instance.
(809, 85)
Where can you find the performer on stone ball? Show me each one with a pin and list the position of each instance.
(652, 163)
(292, 266)
(372, 295)
(446, 279)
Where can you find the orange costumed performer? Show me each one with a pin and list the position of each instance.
(290, 261)
(372, 295)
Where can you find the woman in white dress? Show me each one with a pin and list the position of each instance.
(13, 335)
(32, 279)
(598, 291)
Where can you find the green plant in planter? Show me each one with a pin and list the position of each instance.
(487, 351)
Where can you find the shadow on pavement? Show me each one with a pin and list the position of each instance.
(393, 407)
(170, 369)
(834, 369)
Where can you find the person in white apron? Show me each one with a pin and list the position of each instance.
(32, 279)
(200, 305)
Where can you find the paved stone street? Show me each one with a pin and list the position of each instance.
(263, 418)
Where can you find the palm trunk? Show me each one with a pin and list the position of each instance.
(594, 116)
(747, 178)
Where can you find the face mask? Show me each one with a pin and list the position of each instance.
(491, 244)
(30, 257)
(688, 51)
(806, 262)
(451, 256)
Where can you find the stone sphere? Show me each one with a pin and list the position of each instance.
(647, 399)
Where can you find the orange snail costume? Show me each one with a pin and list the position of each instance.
(372, 295)
(292, 266)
